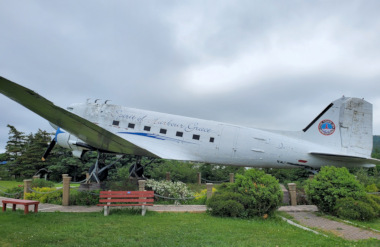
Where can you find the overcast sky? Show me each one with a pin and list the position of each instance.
(265, 64)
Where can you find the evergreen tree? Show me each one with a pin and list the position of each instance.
(61, 161)
(31, 161)
(15, 149)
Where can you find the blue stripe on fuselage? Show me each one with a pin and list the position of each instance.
(155, 136)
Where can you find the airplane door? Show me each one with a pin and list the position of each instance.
(228, 141)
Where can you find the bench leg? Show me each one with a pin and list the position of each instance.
(26, 209)
(14, 207)
(4, 206)
(143, 211)
(36, 208)
(106, 210)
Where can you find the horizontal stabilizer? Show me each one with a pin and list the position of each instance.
(347, 158)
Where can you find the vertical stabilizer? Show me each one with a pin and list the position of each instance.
(345, 126)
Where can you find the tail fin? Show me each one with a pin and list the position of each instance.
(345, 126)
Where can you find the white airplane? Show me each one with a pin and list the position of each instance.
(341, 135)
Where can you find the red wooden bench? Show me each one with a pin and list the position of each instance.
(125, 199)
(26, 204)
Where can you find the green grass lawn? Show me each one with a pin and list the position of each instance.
(374, 224)
(9, 184)
(128, 228)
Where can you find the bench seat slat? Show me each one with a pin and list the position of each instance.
(20, 201)
(127, 192)
(120, 205)
(125, 196)
(126, 200)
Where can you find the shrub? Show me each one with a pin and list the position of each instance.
(16, 192)
(374, 202)
(227, 204)
(200, 198)
(84, 198)
(331, 184)
(350, 208)
(259, 194)
(371, 188)
(40, 183)
(45, 195)
(262, 189)
(170, 189)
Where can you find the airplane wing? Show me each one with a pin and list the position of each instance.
(85, 130)
(347, 158)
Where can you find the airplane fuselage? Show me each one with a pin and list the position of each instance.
(191, 139)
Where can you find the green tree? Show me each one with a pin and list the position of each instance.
(61, 161)
(288, 175)
(15, 148)
(179, 171)
(218, 173)
(4, 172)
(30, 162)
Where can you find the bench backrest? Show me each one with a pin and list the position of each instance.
(126, 196)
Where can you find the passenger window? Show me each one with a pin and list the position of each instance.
(163, 131)
(196, 137)
(147, 128)
(179, 134)
(212, 139)
(131, 125)
(116, 123)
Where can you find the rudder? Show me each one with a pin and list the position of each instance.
(345, 125)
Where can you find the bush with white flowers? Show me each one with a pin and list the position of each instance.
(170, 189)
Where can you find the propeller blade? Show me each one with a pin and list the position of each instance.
(48, 150)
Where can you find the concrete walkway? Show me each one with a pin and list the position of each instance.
(45, 207)
(340, 229)
(304, 214)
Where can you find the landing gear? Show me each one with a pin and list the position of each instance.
(100, 175)
(136, 170)
(99, 171)
(312, 170)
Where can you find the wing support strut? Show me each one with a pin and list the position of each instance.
(100, 173)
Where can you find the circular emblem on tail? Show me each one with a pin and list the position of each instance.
(326, 127)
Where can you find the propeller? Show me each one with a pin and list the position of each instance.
(48, 150)
(53, 141)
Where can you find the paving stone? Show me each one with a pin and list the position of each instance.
(340, 229)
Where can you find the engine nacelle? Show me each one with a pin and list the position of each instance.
(69, 141)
